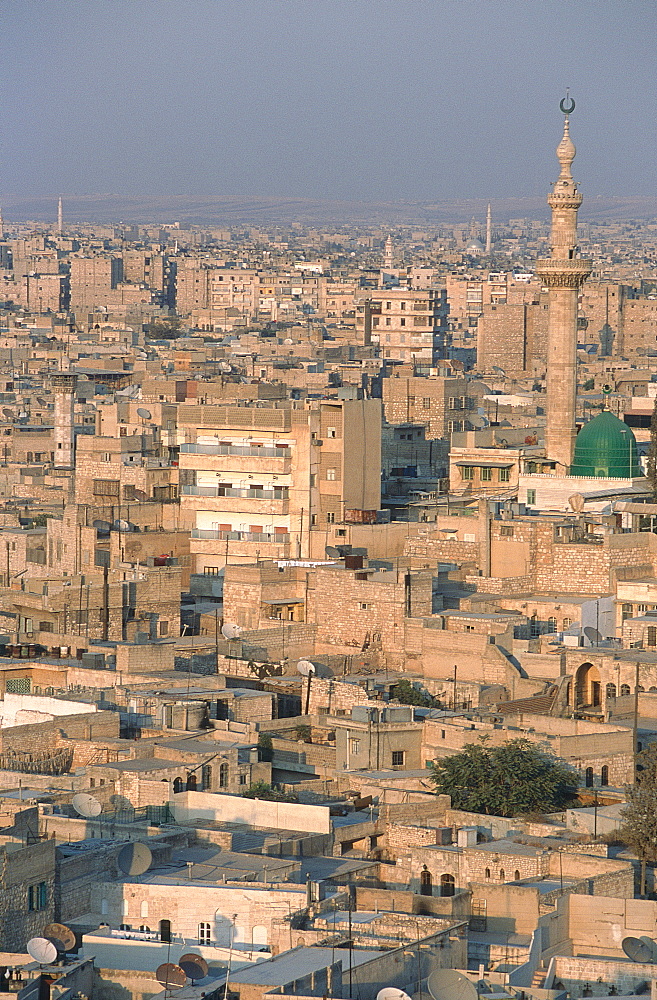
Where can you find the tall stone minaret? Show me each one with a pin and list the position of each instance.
(60, 217)
(563, 273)
(388, 253)
(489, 231)
(2, 225)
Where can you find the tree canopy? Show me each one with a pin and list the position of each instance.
(640, 813)
(408, 694)
(513, 779)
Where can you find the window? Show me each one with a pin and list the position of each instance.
(206, 777)
(106, 487)
(502, 874)
(223, 776)
(165, 931)
(354, 746)
(516, 875)
(505, 475)
(447, 885)
(552, 624)
(364, 606)
(604, 775)
(652, 636)
(398, 758)
(211, 571)
(588, 777)
(506, 530)
(242, 779)
(37, 896)
(567, 622)
(486, 475)
(204, 933)
(330, 475)
(625, 690)
(487, 873)
(144, 929)
(330, 517)
(426, 888)
(531, 496)
(627, 611)
(610, 690)
(426, 402)
(467, 473)
(330, 432)
(164, 628)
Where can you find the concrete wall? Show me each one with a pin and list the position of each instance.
(253, 812)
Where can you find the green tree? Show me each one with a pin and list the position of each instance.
(262, 790)
(265, 747)
(639, 829)
(408, 694)
(164, 329)
(513, 779)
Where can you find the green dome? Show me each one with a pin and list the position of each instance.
(606, 448)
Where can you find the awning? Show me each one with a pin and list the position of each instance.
(486, 465)
(291, 600)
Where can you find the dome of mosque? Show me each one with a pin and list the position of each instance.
(606, 447)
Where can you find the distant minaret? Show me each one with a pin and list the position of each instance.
(564, 273)
(388, 255)
(2, 226)
(488, 231)
(60, 217)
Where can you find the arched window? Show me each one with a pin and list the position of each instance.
(447, 885)
(604, 775)
(143, 929)
(567, 622)
(206, 777)
(223, 776)
(502, 874)
(651, 634)
(552, 624)
(204, 933)
(588, 777)
(625, 690)
(611, 690)
(125, 927)
(516, 875)
(165, 931)
(426, 882)
(534, 625)
(144, 908)
(487, 873)
(191, 782)
(177, 784)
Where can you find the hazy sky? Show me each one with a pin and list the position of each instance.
(336, 99)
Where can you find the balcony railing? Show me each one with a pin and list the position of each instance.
(240, 536)
(282, 493)
(230, 449)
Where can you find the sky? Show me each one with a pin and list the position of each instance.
(374, 100)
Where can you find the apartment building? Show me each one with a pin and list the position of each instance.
(442, 404)
(256, 480)
(409, 325)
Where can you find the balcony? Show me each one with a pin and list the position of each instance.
(281, 493)
(240, 536)
(229, 449)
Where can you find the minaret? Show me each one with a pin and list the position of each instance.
(63, 385)
(60, 217)
(489, 231)
(2, 226)
(563, 273)
(388, 254)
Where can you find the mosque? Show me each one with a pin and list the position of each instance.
(603, 458)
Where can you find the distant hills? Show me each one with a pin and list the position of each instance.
(219, 210)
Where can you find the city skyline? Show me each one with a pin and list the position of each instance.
(372, 103)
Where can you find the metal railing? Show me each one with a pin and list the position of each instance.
(240, 536)
(230, 449)
(282, 493)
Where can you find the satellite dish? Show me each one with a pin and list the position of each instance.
(140, 495)
(171, 976)
(87, 806)
(306, 668)
(143, 413)
(592, 634)
(194, 966)
(392, 993)
(134, 858)
(635, 949)
(42, 950)
(448, 984)
(61, 936)
(576, 502)
(7, 413)
(122, 525)
(231, 631)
